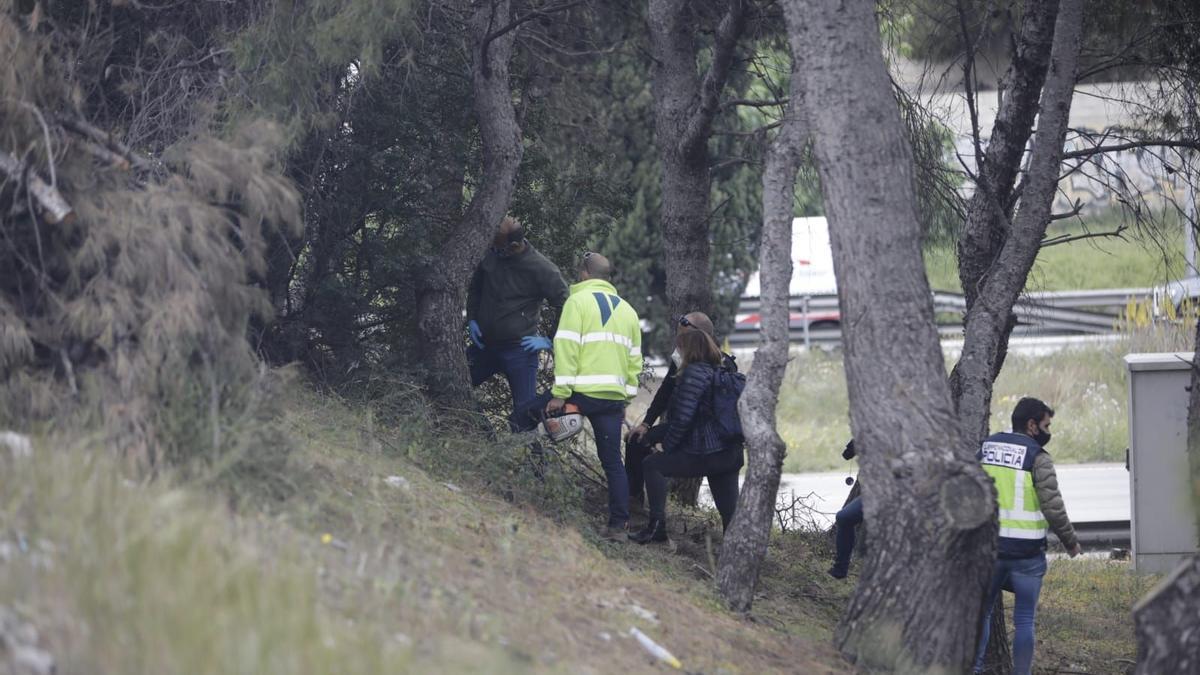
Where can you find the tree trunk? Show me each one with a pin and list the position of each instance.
(930, 505)
(441, 290)
(987, 230)
(988, 321)
(684, 107)
(989, 212)
(745, 544)
(1168, 625)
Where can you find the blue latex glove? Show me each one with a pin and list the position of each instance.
(536, 343)
(476, 334)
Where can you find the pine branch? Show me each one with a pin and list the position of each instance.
(1119, 233)
(725, 43)
(525, 18)
(751, 103)
(1149, 143)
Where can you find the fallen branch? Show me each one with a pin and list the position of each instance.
(105, 155)
(107, 141)
(57, 210)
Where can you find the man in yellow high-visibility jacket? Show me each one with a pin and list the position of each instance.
(1030, 503)
(597, 361)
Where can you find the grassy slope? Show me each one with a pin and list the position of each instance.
(128, 578)
(352, 575)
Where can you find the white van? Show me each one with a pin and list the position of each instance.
(812, 276)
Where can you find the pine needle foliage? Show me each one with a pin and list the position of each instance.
(132, 317)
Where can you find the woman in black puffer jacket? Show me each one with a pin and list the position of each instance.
(692, 447)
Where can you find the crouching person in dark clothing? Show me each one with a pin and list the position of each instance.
(692, 446)
(847, 520)
(641, 440)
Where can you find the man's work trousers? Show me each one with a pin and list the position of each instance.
(518, 366)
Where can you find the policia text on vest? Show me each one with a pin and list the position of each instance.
(1009, 460)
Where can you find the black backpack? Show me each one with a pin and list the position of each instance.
(726, 390)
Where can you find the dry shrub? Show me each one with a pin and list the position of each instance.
(132, 318)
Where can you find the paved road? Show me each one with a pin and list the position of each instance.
(1092, 492)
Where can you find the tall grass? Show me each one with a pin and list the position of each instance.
(1084, 620)
(131, 578)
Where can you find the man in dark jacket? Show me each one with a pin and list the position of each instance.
(649, 433)
(1029, 504)
(504, 305)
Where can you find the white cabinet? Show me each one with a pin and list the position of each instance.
(1163, 515)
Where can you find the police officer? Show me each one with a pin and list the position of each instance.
(1029, 502)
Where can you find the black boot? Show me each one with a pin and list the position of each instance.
(655, 530)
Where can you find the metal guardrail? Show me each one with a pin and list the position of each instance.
(1105, 297)
(1039, 313)
(1101, 534)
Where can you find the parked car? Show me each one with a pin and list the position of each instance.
(816, 320)
(1170, 297)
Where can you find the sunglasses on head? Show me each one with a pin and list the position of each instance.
(683, 321)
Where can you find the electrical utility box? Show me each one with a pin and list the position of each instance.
(1162, 513)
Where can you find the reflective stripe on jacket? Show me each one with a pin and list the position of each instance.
(1009, 460)
(598, 345)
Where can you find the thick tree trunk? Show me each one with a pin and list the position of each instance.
(930, 505)
(1168, 624)
(745, 544)
(685, 190)
(685, 104)
(441, 290)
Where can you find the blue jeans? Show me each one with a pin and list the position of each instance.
(1024, 576)
(606, 418)
(847, 520)
(518, 366)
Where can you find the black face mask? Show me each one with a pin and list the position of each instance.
(1042, 438)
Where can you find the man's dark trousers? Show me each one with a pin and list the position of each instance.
(635, 453)
(518, 366)
(606, 418)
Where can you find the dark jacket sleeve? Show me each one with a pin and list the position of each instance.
(1045, 481)
(662, 397)
(689, 393)
(554, 287)
(473, 292)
